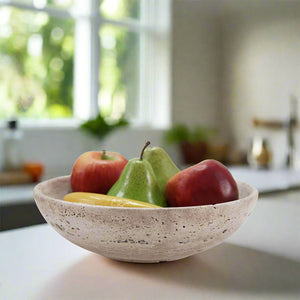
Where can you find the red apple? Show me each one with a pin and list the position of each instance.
(208, 182)
(96, 171)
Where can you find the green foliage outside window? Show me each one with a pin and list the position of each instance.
(37, 58)
(119, 66)
(36, 64)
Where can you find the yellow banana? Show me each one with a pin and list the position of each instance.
(105, 200)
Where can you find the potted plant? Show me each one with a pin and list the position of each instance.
(193, 143)
(99, 127)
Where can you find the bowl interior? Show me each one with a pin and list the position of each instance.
(57, 188)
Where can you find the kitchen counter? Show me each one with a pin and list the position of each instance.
(16, 194)
(17, 206)
(260, 261)
(268, 180)
(23, 193)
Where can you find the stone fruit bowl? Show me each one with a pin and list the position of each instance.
(144, 235)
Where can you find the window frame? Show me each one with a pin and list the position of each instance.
(154, 30)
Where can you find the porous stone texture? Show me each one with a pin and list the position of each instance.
(145, 235)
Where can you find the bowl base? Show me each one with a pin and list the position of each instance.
(136, 261)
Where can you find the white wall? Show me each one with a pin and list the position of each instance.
(260, 69)
(195, 63)
(58, 148)
(234, 60)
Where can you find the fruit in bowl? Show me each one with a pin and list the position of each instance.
(162, 165)
(138, 182)
(208, 182)
(135, 230)
(96, 171)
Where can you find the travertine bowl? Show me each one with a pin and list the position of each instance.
(144, 235)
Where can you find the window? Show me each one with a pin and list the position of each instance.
(69, 59)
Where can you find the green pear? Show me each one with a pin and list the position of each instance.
(162, 165)
(138, 182)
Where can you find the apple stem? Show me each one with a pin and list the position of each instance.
(142, 152)
(104, 154)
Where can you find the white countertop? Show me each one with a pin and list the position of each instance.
(23, 193)
(267, 180)
(260, 261)
(16, 194)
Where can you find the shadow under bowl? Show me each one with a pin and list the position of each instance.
(143, 235)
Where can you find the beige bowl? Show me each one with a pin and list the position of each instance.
(144, 235)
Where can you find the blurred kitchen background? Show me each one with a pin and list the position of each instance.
(221, 74)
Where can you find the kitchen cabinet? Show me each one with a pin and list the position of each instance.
(17, 207)
(20, 215)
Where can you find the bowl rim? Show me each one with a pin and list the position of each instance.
(38, 189)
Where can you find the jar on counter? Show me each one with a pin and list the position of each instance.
(260, 154)
(12, 148)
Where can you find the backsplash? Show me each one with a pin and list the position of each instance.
(59, 148)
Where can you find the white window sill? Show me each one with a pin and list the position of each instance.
(45, 124)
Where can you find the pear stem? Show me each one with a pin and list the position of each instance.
(142, 152)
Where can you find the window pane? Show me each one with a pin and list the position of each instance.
(43, 3)
(119, 72)
(119, 9)
(36, 65)
(57, 3)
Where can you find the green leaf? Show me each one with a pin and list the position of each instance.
(99, 127)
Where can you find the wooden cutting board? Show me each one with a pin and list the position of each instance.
(15, 177)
